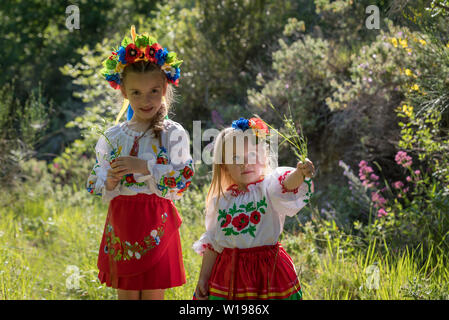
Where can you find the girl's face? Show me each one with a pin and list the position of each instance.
(144, 92)
(247, 167)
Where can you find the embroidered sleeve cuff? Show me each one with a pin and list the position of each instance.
(204, 243)
(281, 182)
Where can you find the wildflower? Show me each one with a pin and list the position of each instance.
(417, 172)
(378, 200)
(407, 110)
(374, 177)
(403, 159)
(408, 72)
(398, 185)
(403, 43)
(409, 179)
(405, 190)
(381, 212)
(394, 41)
(423, 42)
(415, 87)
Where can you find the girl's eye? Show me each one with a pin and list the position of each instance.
(136, 93)
(236, 159)
(155, 90)
(252, 155)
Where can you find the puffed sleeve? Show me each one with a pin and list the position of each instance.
(172, 174)
(97, 177)
(208, 239)
(287, 202)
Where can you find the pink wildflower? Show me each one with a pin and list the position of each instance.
(403, 159)
(398, 185)
(381, 212)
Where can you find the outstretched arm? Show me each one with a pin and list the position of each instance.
(296, 178)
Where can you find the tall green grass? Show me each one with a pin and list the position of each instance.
(49, 246)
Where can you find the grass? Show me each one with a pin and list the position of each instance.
(49, 246)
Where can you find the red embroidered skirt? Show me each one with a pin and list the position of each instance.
(141, 247)
(265, 272)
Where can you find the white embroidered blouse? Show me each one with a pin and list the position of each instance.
(170, 164)
(255, 217)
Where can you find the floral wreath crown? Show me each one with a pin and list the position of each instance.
(258, 126)
(141, 47)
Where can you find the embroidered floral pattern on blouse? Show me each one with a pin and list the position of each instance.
(123, 250)
(242, 219)
(307, 181)
(170, 182)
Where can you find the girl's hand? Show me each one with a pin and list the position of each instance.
(307, 169)
(129, 164)
(112, 180)
(202, 290)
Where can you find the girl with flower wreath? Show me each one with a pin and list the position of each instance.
(143, 164)
(246, 206)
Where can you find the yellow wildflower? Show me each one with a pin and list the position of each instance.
(394, 41)
(415, 87)
(409, 50)
(447, 44)
(408, 72)
(407, 110)
(403, 43)
(423, 42)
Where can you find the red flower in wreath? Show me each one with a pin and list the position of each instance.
(132, 53)
(150, 52)
(161, 160)
(170, 182)
(240, 222)
(187, 173)
(227, 222)
(257, 123)
(255, 217)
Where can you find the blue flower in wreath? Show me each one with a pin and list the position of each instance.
(163, 149)
(161, 56)
(161, 187)
(113, 77)
(121, 55)
(241, 124)
(172, 76)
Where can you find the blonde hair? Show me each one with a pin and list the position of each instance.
(221, 180)
(157, 123)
